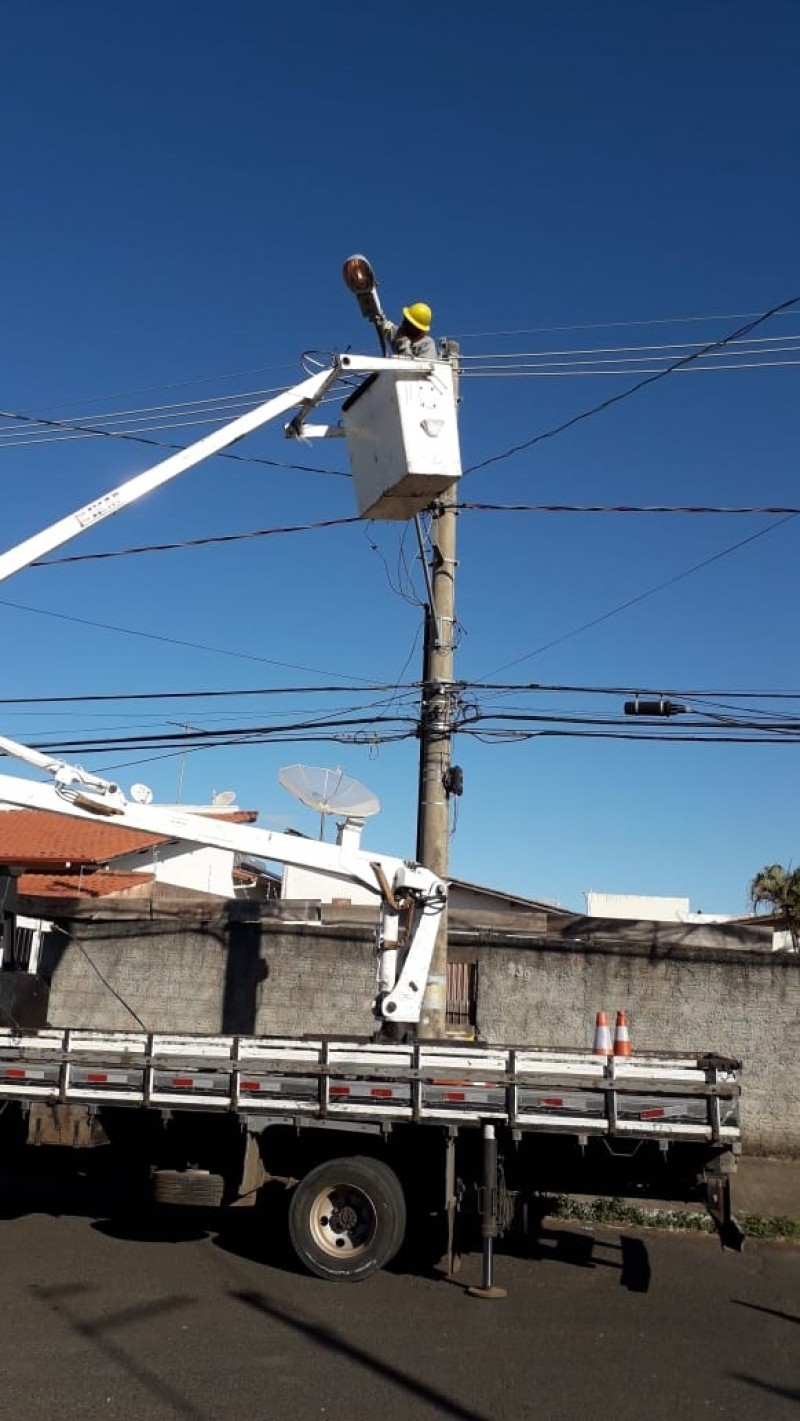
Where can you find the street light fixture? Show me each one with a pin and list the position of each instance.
(359, 277)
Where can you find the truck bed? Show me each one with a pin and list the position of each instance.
(281, 1080)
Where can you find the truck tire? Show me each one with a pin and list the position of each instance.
(347, 1218)
(194, 1188)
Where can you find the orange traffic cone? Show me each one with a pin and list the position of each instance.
(602, 1035)
(622, 1041)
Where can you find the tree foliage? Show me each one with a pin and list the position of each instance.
(778, 890)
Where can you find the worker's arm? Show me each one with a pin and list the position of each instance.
(388, 330)
(422, 349)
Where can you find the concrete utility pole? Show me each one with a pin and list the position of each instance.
(438, 778)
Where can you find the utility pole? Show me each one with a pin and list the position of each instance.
(438, 777)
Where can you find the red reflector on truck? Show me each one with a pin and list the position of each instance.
(382, 1092)
(96, 1077)
(454, 1095)
(340, 1090)
(15, 1074)
(656, 1114)
(182, 1081)
(250, 1085)
(554, 1100)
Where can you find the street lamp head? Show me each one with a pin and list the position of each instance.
(358, 275)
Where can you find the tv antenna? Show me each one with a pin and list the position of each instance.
(329, 792)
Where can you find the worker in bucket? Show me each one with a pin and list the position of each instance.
(412, 337)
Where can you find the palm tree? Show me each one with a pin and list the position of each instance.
(778, 889)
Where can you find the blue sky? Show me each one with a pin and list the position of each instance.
(181, 185)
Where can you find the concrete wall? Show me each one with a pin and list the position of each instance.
(230, 971)
(290, 969)
(739, 1004)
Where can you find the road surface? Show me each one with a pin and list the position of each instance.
(120, 1318)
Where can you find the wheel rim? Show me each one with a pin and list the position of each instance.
(343, 1221)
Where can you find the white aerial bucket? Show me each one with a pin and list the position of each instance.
(402, 438)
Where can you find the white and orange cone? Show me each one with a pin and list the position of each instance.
(622, 1041)
(602, 1036)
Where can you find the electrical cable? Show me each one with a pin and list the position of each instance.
(620, 508)
(610, 325)
(212, 694)
(161, 444)
(621, 350)
(642, 596)
(175, 641)
(483, 725)
(197, 542)
(176, 384)
(633, 389)
(535, 372)
(460, 507)
(103, 979)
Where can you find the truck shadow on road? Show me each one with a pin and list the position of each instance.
(118, 1209)
(628, 1255)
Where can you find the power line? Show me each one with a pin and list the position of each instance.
(383, 729)
(368, 687)
(641, 596)
(620, 508)
(217, 404)
(177, 384)
(655, 735)
(622, 350)
(198, 542)
(534, 372)
(241, 736)
(470, 507)
(159, 418)
(411, 688)
(174, 641)
(634, 389)
(95, 431)
(609, 325)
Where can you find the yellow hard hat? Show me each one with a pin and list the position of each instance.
(419, 315)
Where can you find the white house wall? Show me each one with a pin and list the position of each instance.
(305, 883)
(205, 870)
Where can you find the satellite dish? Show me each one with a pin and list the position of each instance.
(329, 792)
(141, 794)
(225, 796)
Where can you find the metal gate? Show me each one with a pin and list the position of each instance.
(462, 992)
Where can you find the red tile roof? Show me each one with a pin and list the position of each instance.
(94, 884)
(38, 838)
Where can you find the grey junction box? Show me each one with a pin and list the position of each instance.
(402, 438)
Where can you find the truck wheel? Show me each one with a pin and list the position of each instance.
(347, 1218)
(194, 1188)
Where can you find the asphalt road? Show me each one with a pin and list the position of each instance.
(118, 1318)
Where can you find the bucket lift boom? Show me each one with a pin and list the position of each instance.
(410, 898)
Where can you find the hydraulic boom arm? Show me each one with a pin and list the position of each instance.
(410, 898)
(306, 396)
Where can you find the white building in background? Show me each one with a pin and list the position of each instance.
(319, 887)
(648, 908)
